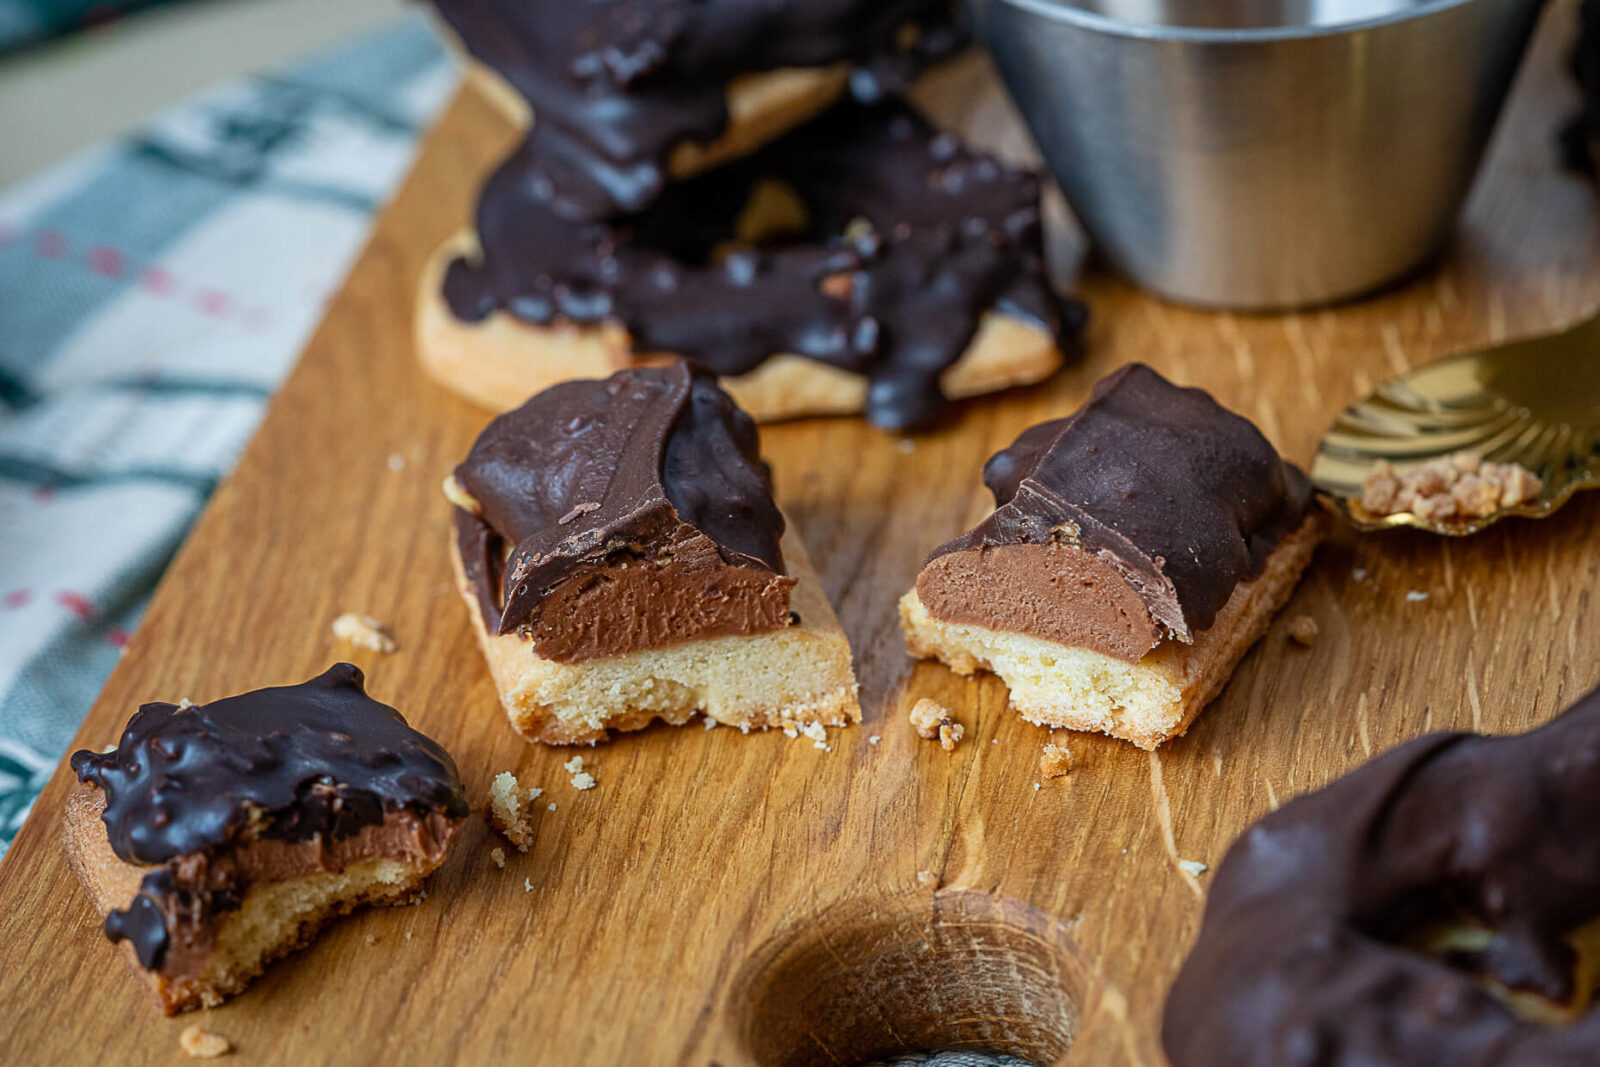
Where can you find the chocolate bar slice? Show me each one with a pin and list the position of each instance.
(622, 560)
(1138, 548)
(216, 838)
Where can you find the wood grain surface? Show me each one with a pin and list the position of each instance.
(738, 899)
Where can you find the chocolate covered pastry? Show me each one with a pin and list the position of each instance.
(630, 94)
(1138, 548)
(622, 560)
(1437, 905)
(216, 838)
(862, 262)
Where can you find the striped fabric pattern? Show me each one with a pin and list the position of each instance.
(153, 293)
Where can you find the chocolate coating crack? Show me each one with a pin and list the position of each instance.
(618, 84)
(908, 239)
(637, 512)
(1143, 510)
(1300, 958)
(191, 788)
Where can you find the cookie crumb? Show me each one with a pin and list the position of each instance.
(1055, 761)
(1193, 868)
(457, 495)
(874, 739)
(583, 780)
(928, 878)
(711, 724)
(535, 793)
(527, 885)
(408, 932)
(363, 631)
(397, 462)
(506, 812)
(926, 716)
(1456, 488)
(815, 730)
(552, 805)
(950, 734)
(1359, 574)
(498, 854)
(789, 731)
(372, 939)
(1416, 596)
(203, 1044)
(573, 765)
(1303, 630)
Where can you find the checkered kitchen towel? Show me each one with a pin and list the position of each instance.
(153, 292)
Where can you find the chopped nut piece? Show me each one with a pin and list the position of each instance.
(506, 812)
(458, 495)
(363, 631)
(928, 878)
(203, 1044)
(1055, 761)
(950, 734)
(926, 715)
(1303, 630)
(498, 854)
(1447, 489)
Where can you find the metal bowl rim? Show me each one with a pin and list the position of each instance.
(1064, 11)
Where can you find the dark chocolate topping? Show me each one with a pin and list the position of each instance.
(319, 758)
(1300, 958)
(319, 761)
(617, 84)
(1183, 497)
(908, 239)
(655, 464)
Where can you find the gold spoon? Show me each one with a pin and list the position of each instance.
(1535, 402)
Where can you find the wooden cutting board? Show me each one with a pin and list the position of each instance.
(738, 899)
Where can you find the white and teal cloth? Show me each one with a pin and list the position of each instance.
(153, 293)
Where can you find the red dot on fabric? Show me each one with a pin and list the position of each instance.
(76, 603)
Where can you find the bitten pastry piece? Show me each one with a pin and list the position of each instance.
(1439, 905)
(622, 560)
(1137, 550)
(216, 838)
(865, 262)
(628, 94)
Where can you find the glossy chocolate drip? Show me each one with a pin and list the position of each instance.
(1300, 960)
(316, 762)
(1156, 485)
(909, 239)
(652, 469)
(616, 85)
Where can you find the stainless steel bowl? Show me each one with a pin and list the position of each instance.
(1261, 154)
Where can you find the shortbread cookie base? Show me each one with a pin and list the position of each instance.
(500, 362)
(275, 919)
(1146, 703)
(761, 108)
(794, 676)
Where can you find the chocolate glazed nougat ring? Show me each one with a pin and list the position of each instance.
(1438, 905)
(863, 263)
(632, 95)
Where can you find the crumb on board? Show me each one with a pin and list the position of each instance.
(710, 723)
(874, 739)
(573, 765)
(506, 811)
(1193, 868)
(527, 885)
(552, 805)
(950, 734)
(371, 939)
(397, 462)
(1456, 488)
(1055, 760)
(1416, 596)
(498, 854)
(814, 730)
(1303, 630)
(928, 878)
(583, 780)
(363, 631)
(201, 1044)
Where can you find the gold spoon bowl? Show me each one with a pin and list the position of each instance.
(1533, 402)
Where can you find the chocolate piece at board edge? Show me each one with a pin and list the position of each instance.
(1303, 954)
(1144, 509)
